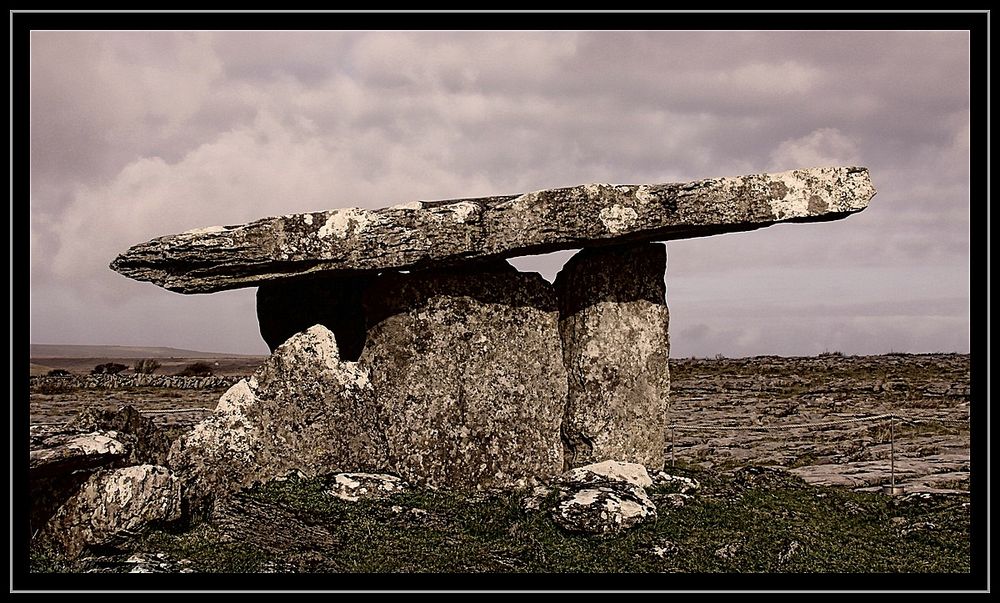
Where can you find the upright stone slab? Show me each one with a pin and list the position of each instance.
(613, 322)
(468, 372)
(304, 409)
(285, 308)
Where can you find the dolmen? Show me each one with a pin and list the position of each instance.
(404, 343)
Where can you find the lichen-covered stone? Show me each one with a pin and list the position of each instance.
(603, 498)
(613, 323)
(114, 505)
(288, 307)
(363, 486)
(445, 233)
(609, 470)
(63, 457)
(74, 451)
(304, 409)
(149, 443)
(468, 372)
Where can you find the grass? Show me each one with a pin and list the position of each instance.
(737, 522)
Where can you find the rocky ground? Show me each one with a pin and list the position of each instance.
(823, 513)
(930, 392)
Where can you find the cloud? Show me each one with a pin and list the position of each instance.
(822, 147)
(141, 134)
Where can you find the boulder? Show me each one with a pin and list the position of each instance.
(468, 372)
(613, 321)
(611, 470)
(285, 308)
(424, 234)
(62, 457)
(304, 409)
(149, 443)
(604, 498)
(112, 506)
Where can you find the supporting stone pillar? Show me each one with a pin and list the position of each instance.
(613, 322)
(468, 372)
(288, 307)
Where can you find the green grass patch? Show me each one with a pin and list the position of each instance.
(745, 521)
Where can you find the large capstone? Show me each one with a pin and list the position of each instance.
(432, 234)
(285, 308)
(613, 321)
(467, 368)
(304, 409)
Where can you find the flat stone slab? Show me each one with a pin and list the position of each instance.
(424, 234)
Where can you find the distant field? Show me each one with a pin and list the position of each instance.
(221, 365)
(46, 350)
(81, 359)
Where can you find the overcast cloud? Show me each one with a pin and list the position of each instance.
(140, 134)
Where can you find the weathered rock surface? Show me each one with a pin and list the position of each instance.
(61, 458)
(304, 409)
(149, 444)
(289, 307)
(469, 377)
(610, 470)
(63, 452)
(364, 486)
(115, 505)
(603, 498)
(613, 321)
(425, 234)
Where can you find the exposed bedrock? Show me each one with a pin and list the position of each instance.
(434, 234)
(285, 308)
(468, 372)
(613, 323)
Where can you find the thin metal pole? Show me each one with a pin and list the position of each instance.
(671, 445)
(892, 452)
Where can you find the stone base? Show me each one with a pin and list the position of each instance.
(613, 322)
(468, 373)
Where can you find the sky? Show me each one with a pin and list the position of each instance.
(135, 135)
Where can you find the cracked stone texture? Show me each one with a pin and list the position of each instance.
(603, 498)
(288, 307)
(63, 457)
(613, 323)
(304, 409)
(363, 486)
(468, 373)
(114, 505)
(425, 234)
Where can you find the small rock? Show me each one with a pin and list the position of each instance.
(533, 502)
(679, 500)
(665, 549)
(788, 553)
(728, 551)
(603, 498)
(276, 567)
(631, 473)
(683, 484)
(920, 526)
(604, 510)
(368, 486)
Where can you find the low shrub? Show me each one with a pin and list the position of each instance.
(196, 369)
(108, 368)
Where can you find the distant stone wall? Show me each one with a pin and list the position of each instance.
(132, 380)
